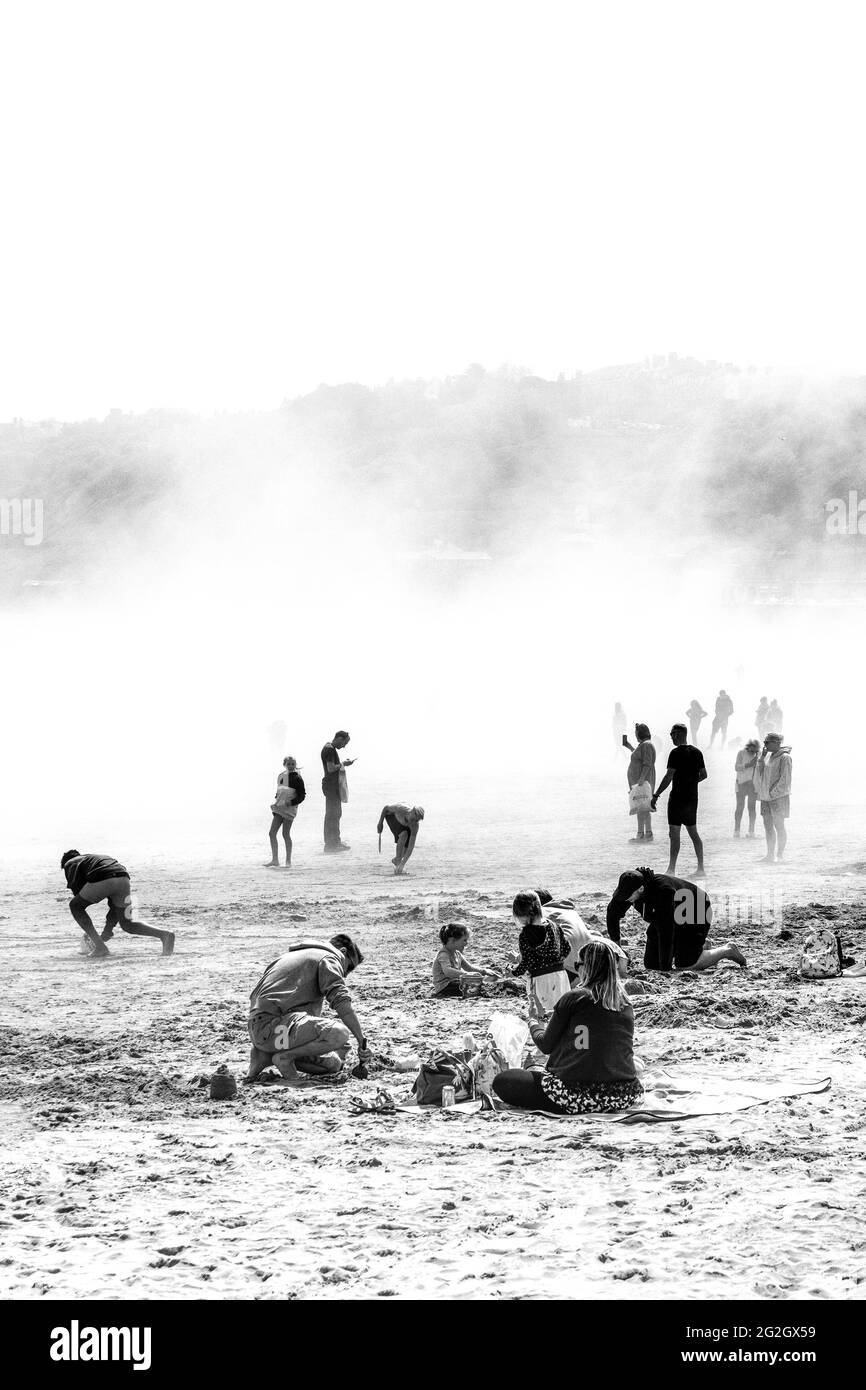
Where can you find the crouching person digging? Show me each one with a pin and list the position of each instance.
(287, 1029)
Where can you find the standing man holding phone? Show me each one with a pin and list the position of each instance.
(335, 789)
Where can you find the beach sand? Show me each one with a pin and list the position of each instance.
(121, 1179)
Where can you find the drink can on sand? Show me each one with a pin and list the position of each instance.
(447, 1096)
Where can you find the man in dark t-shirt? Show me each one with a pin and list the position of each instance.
(686, 768)
(93, 878)
(334, 789)
(678, 915)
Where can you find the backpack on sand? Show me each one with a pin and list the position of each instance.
(820, 955)
(440, 1070)
(487, 1064)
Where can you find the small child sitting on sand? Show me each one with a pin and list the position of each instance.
(453, 973)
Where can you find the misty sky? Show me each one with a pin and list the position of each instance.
(217, 206)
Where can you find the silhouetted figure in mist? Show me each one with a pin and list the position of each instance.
(619, 725)
(695, 713)
(744, 786)
(686, 768)
(724, 710)
(762, 717)
(93, 878)
(678, 915)
(773, 786)
(335, 790)
(775, 718)
(403, 822)
(642, 773)
(290, 793)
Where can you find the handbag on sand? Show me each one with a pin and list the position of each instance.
(441, 1070)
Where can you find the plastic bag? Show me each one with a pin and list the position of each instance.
(639, 798)
(510, 1035)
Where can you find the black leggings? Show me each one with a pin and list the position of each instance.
(451, 991)
(523, 1088)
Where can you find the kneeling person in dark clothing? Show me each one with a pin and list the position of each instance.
(92, 878)
(678, 915)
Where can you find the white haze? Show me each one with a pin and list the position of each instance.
(143, 699)
(217, 207)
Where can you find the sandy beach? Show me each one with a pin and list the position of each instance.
(121, 1179)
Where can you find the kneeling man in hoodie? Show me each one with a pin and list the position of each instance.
(286, 1026)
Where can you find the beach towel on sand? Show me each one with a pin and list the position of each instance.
(672, 1098)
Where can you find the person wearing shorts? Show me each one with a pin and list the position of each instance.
(773, 785)
(286, 1026)
(94, 878)
(678, 916)
(403, 822)
(686, 768)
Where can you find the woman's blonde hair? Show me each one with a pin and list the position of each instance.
(599, 975)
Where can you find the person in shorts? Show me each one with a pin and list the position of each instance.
(678, 916)
(773, 785)
(291, 791)
(403, 822)
(686, 768)
(94, 878)
(286, 1026)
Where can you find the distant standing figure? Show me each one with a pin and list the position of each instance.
(762, 716)
(695, 713)
(724, 710)
(335, 789)
(403, 822)
(92, 878)
(686, 768)
(290, 793)
(775, 718)
(773, 787)
(619, 725)
(744, 784)
(642, 772)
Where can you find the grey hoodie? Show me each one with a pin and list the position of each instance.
(773, 775)
(301, 980)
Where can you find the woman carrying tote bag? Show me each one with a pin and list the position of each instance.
(290, 793)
